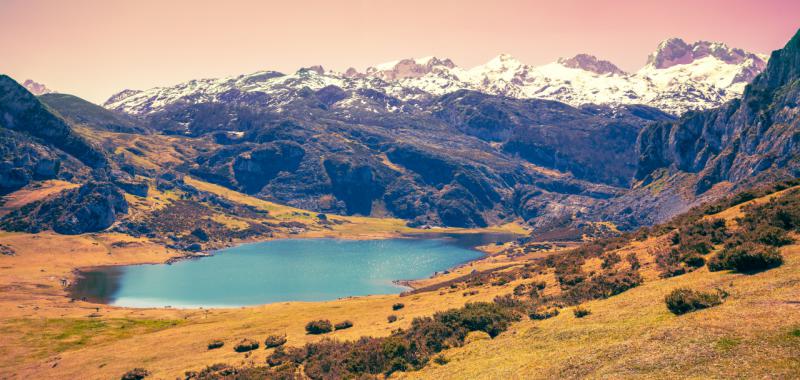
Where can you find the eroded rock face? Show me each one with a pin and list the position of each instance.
(741, 143)
(357, 184)
(254, 169)
(22, 160)
(89, 208)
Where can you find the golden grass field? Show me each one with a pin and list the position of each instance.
(754, 334)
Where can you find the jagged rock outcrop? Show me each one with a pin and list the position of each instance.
(92, 207)
(23, 160)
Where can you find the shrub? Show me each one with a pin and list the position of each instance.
(633, 261)
(520, 290)
(215, 344)
(322, 326)
(398, 306)
(214, 371)
(541, 313)
(581, 312)
(479, 316)
(440, 359)
(684, 300)
(245, 345)
(603, 285)
(273, 341)
(610, 259)
(136, 374)
(770, 235)
(747, 258)
(693, 259)
(391, 318)
(343, 325)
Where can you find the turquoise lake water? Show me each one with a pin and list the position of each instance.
(278, 271)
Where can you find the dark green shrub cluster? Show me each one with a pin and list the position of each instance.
(403, 350)
(398, 306)
(440, 359)
(343, 325)
(245, 345)
(684, 300)
(633, 261)
(392, 318)
(215, 344)
(208, 373)
(322, 326)
(136, 374)
(602, 285)
(610, 259)
(273, 341)
(532, 290)
(580, 312)
(746, 258)
(542, 312)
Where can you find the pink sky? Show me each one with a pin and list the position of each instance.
(95, 48)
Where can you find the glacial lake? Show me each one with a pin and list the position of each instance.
(281, 270)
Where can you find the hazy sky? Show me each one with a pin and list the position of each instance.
(95, 48)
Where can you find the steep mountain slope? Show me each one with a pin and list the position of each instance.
(743, 142)
(77, 111)
(678, 77)
(22, 112)
(463, 159)
(38, 145)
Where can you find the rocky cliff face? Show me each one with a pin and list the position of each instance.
(93, 207)
(744, 141)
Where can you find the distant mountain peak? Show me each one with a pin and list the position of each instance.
(36, 88)
(591, 63)
(675, 51)
(407, 68)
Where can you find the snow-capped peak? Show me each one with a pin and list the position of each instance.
(503, 61)
(36, 88)
(591, 63)
(675, 51)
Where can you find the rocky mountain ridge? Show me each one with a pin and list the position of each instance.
(678, 77)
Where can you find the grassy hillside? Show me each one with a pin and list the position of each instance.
(629, 332)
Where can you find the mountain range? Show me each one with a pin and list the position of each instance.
(565, 145)
(677, 77)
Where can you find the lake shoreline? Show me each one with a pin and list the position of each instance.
(85, 288)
